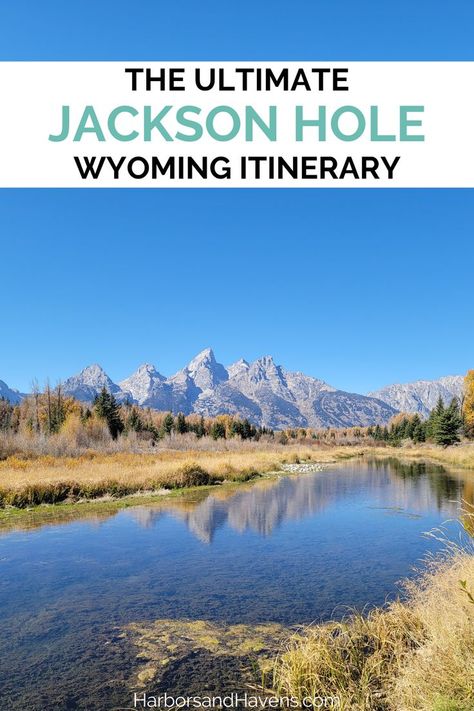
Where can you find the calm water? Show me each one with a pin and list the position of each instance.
(292, 551)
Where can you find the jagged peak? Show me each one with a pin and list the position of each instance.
(91, 374)
(414, 383)
(144, 370)
(147, 368)
(238, 368)
(93, 369)
(91, 379)
(241, 363)
(205, 356)
(264, 360)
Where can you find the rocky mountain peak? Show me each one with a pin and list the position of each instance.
(421, 396)
(205, 371)
(205, 356)
(89, 382)
(264, 369)
(143, 383)
(240, 366)
(93, 374)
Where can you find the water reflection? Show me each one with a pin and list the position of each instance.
(262, 506)
(414, 489)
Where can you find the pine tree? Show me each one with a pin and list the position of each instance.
(418, 434)
(181, 426)
(248, 431)
(448, 425)
(134, 421)
(108, 409)
(168, 424)
(433, 419)
(217, 430)
(200, 428)
(409, 428)
(236, 428)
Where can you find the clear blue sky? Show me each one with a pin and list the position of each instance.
(359, 287)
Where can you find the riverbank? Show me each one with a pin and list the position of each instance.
(26, 483)
(407, 657)
(460, 456)
(50, 480)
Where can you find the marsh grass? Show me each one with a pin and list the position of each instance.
(49, 480)
(461, 456)
(416, 655)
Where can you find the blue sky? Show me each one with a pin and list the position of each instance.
(359, 287)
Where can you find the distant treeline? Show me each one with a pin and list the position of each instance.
(51, 413)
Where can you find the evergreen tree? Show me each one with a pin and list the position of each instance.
(435, 415)
(181, 426)
(217, 430)
(418, 433)
(236, 429)
(134, 421)
(168, 424)
(409, 428)
(448, 425)
(248, 431)
(200, 428)
(108, 409)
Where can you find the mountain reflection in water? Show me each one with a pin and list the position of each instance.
(262, 508)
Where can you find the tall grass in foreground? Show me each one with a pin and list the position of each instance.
(412, 656)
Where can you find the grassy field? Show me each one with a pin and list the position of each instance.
(29, 482)
(411, 656)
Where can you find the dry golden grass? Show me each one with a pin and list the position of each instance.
(26, 482)
(461, 456)
(412, 656)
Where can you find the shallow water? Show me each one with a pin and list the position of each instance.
(289, 550)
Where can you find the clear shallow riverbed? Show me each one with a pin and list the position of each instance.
(290, 550)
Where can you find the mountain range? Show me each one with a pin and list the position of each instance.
(262, 391)
(422, 395)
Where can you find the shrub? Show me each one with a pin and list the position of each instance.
(190, 475)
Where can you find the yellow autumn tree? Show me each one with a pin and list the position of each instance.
(468, 408)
